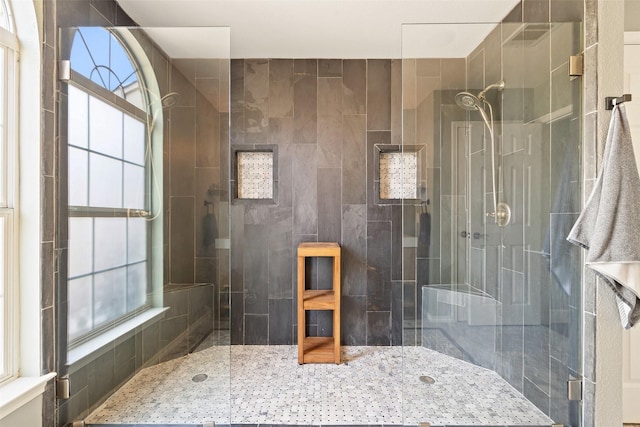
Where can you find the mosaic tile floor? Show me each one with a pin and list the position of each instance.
(265, 385)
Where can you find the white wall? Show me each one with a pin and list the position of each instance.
(29, 415)
(608, 346)
(631, 338)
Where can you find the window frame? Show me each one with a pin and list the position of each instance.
(9, 206)
(119, 103)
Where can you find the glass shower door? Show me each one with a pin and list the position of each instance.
(502, 297)
(144, 206)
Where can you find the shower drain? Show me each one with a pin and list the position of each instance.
(427, 379)
(199, 378)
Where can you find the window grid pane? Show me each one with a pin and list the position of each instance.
(134, 140)
(4, 17)
(105, 182)
(98, 55)
(134, 187)
(109, 296)
(78, 176)
(78, 108)
(3, 128)
(105, 128)
(136, 286)
(136, 240)
(80, 305)
(3, 301)
(109, 246)
(8, 330)
(80, 246)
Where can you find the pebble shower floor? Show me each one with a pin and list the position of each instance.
(265, 385)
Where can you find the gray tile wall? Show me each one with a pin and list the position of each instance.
(325, 116)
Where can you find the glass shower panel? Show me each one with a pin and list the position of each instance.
(147, 114)
(501, 297)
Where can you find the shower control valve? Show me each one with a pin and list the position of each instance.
(502, 214)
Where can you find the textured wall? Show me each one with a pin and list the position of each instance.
(608, 333)
(325, 117)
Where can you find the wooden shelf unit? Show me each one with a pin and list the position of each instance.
(318, 349)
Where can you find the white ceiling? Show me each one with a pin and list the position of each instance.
(327, 28)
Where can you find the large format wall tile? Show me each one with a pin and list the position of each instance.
(317, 112)
(182, 238)
(379, 94)
(305, 98)
(354, 81)
(281, 88)
(329, 122)
(256, 101)
(354, 250)
(354, 173)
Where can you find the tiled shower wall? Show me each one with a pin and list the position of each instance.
(324, 117)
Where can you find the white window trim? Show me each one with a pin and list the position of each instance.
(28, 203)
(29, 383)
(10, 213)
(20, 392)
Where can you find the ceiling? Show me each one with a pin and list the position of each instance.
(325, 28)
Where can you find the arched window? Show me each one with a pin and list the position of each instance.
(8, 189)
(109, 175)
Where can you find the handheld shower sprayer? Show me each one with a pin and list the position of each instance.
(470, 102)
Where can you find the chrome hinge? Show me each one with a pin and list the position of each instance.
(63, 388)
(557, 425)
(424, 425)
(576, 66)
(574, 390)
(64, 70)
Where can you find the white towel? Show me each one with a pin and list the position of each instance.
(609, 225)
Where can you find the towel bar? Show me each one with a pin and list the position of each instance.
(612, 101)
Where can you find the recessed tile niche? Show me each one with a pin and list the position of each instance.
(255, 172)
(399, 173)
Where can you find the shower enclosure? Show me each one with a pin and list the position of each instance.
(450, 177)
(488, 275)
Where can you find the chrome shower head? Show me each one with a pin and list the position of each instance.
(468, 101)
(169, 100)
(498, 85)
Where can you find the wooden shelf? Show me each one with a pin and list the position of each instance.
(318, 349)
(318, 249)
(319, 300)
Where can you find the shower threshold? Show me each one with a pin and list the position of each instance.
(258, 385)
